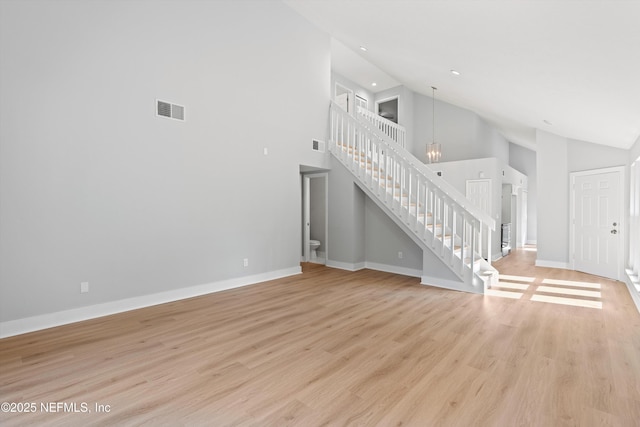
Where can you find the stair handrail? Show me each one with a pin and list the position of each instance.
(449, 190)
(394, 131)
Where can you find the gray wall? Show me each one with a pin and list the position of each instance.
(492, 142)
(96, 188)
(346, 217)
(360, 232)
(462, 133)
(553, 203)
(634, 152)
(384, 239)
(524, 160)
(557, 157)
(585, 156)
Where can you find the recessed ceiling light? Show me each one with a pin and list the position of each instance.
(362, 48)
(455, 72)
(374, 84)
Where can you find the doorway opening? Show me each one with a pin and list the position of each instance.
(344, 98)
(315, 217)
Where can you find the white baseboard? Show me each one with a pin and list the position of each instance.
(531, 242)
(552, 264)
(345, 265)
(449, 284)
(44, 321)
(374, 266)
(635, 295)
(393, 269)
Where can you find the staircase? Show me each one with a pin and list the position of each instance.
(437, 217)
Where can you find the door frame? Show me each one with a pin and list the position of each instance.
(306, 214)
(350, 99)
(572, 214)
(383, 100)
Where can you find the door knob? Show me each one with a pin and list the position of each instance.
(614, 231)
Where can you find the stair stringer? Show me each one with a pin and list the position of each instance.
(435, 272)
(367, 153)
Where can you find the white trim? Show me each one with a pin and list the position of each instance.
(393, 269)
(531, 242)
(621, 224)
(404, 271)
(50, 320)
(306, 217)
(350, 97)
(552, 264)
(635, 295)
(345, 265)
(306, 213)
(361, 98)
(449, 284)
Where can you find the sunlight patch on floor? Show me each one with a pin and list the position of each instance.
(511, 285)
(569, 291)
(567, 301)
(571, 283)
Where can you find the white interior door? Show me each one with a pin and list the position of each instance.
(596, 208)
(479, 193)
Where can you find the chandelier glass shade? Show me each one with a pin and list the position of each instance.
(434, 150)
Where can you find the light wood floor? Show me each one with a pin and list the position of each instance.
(330, 347)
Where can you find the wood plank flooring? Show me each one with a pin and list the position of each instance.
(330, 347)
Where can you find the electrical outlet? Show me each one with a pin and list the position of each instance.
(245, 262)
(400, 254)
(84, 287)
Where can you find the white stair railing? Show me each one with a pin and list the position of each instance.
(393, 130)
(439, 215)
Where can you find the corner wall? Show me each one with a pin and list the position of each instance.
(557, 157)
(524, 160)
(96, 188)
(553, 203)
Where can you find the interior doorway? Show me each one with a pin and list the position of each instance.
(344, 98)
(315, 216)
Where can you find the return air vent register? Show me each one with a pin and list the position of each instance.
(172, 111)
(318, 146)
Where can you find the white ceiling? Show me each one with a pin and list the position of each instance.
(573, 63)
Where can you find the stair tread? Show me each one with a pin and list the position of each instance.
(369, 163)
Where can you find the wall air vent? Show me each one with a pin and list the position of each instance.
(172, 111)
(318, 146)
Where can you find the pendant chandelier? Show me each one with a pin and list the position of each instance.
(434, 150)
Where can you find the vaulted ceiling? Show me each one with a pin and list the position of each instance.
(569, 67)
